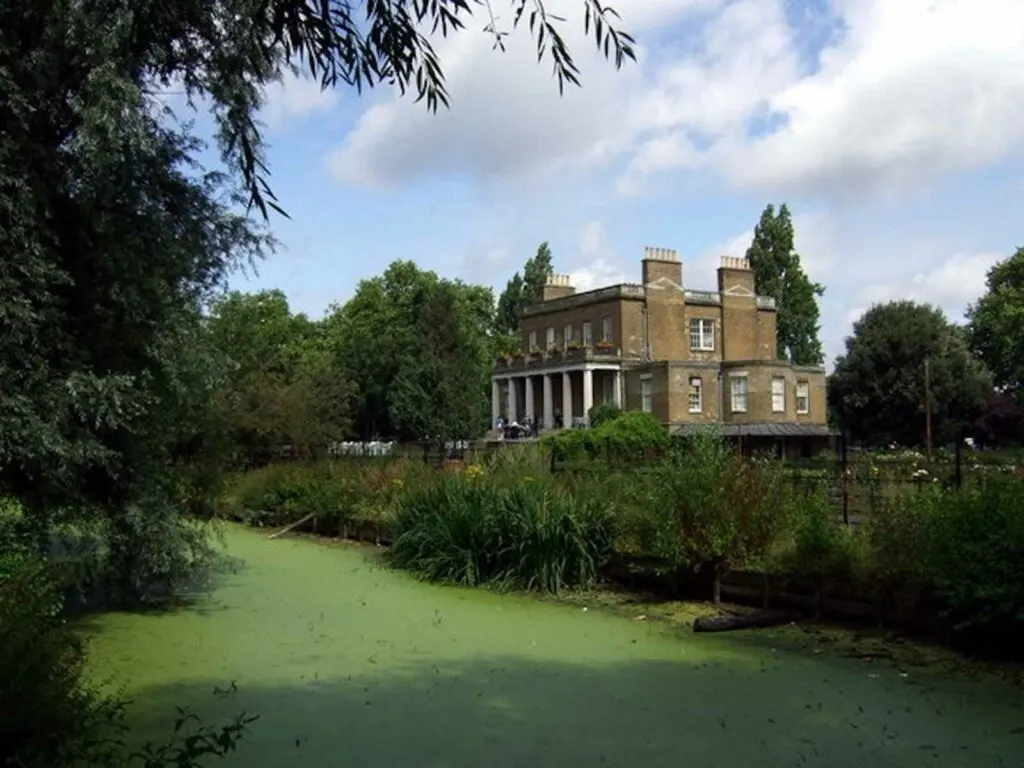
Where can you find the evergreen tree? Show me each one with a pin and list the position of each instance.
(779, 274)
(523, 290)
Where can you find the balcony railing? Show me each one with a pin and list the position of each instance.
(598, 351)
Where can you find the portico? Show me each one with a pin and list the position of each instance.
(544, 395)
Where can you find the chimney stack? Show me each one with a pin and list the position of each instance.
(662, 264)
(557, 287)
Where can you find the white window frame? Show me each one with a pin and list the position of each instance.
(739, 401)
(778, 394)
(531, 341)
(695, 388)
(702, 334)
(550, 336)
(567, 334)
(606, 328)
(587, 334)
(803, 392)
(647, 394)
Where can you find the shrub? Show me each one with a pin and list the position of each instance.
(898, 532)
(708, 509)
(974, 559)
(603, 413)
(822, 548)
(481, 531)
(631, 436)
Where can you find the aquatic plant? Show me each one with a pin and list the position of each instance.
(532, 536)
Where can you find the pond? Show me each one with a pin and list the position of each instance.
(348, 663)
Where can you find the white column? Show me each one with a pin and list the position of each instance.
(588, 393)
(619, 399)
(511, 415)
(495, 401)
(548, 405)
(530, 412)
(566, 400)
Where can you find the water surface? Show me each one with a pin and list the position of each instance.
(350, 664)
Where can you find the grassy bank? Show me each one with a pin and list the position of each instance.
(680, 518)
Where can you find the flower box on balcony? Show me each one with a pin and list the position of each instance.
(604, 347)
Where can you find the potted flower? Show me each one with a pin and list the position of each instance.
(604, 346)
(574, 344)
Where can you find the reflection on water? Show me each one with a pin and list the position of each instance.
(350, 664)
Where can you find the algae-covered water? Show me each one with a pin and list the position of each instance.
(351, 664)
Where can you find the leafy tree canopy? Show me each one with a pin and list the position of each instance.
(418, 348)
(996, 324)
(878, 387)
(524, 290)
(779, 274)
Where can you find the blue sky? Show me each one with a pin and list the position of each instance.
(892, 129)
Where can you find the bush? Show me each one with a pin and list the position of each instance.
(706, 509)
(338, 493)
(974, 558)
(898, 534)
(603, 413)
(630, 437)
(475, 531)
(822, 549)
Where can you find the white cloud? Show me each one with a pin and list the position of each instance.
(917, 88)
(910, 90)
(295, 96)
(951, 284)
(506, 117)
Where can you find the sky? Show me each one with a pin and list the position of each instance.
(893, 129)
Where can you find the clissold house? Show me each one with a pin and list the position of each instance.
(689, 357)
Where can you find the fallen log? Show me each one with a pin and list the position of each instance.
(743, 621)
(294, 525)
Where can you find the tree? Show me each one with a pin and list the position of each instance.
(283, 385)
(996, 324)
(779, 274)
(878, 387)
(1002, 421)
(522, 291)
(438, 388)
(384, 338)
(114, 236)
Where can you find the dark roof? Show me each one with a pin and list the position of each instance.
(759, 430)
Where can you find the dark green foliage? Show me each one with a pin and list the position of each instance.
(632, 436)
(603, 412)
(705, 508)
(473, 531)
(47, 716)
(438, 390)
(282, 385)
(878, 386)
(974, 562)
(995, 321)
(418, 350)
(523, 291)
(823, 549)
(779, 274)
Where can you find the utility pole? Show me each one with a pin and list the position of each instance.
(928, 409)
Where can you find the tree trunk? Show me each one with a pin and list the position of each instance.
(716, 585)
(749, 621)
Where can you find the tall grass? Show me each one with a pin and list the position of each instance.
(480, 531)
